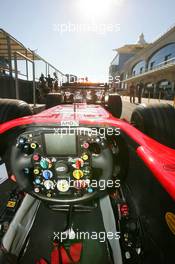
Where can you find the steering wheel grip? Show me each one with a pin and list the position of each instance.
(18, 163)
(104, 161)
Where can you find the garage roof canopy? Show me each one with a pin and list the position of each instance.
(9, 46)
(15, 46)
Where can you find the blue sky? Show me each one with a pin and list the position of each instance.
(37, 24)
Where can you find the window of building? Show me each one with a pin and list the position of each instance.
(115, 60)
(162, 55)
(167, 57)
(152, 65)
(138, 68)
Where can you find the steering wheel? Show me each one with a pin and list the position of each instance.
(21, 162)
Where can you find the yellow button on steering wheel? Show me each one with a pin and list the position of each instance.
(78, 174)
(85, 157)
(33, 145)
(36, 171)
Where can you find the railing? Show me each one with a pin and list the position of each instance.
(16, 75)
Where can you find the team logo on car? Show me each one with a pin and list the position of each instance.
(70, 123)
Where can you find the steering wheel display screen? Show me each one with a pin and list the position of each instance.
(60, 144)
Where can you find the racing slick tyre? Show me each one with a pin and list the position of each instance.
(114, 105)
(12, 108)
(156, 121)
(53, 99)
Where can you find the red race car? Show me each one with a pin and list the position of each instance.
(91, 188)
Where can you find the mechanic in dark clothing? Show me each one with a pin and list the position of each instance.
(49, 83)
(55, 83)
(42, 78)
(140, 88)
(132, 93)
(42, 87)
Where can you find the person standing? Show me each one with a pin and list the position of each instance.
(49, 83)
(42, 86)
(55, 83)
(132, 93)
(140, 90)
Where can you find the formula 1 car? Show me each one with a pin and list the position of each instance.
(90, 93)
(95, 188)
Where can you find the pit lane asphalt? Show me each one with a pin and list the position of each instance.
(127, 110)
